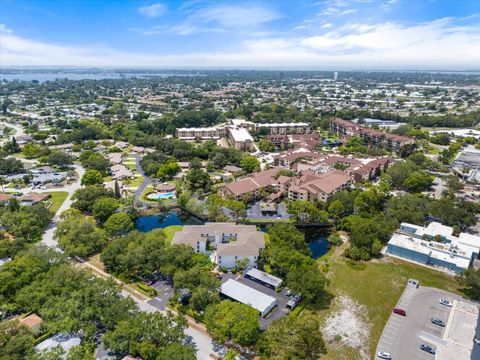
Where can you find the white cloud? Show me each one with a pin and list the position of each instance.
(154, 10)
(431, 45)
(218, 18)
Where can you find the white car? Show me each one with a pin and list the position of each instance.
(445, 302)
(384, 355)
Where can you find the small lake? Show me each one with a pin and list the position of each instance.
(160, 221)
(316, 239)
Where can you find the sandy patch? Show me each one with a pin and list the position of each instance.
(347, 327)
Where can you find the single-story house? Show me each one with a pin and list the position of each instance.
(33, 322)
(32, 198)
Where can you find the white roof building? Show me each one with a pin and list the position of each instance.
(248, 296)
(419, 244)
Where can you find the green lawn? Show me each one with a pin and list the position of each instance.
(143, 195)
(135, 182)
(130, 166)
(57, 198)
(377, 285)
(171, 230)
(107, 178)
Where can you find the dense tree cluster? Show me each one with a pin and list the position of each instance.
(288, 256)
(44, 282)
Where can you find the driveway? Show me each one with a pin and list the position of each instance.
(165, 292)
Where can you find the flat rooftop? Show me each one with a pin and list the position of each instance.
(460, 333)
(263, 276)
(247, 295)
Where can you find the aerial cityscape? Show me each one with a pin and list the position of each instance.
(239, 180)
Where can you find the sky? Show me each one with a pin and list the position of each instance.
(290, 34)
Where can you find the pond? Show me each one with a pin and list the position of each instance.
(159, 221)
(317, 239)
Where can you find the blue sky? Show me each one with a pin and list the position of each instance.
(324, 34)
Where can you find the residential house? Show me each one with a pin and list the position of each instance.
(32, 198)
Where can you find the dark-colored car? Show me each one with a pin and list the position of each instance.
(427, 348)
(400, 312)
(438, 322)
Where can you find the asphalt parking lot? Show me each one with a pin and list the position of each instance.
(165, 292)
(282, 299)
(403, 335)
(255, 212)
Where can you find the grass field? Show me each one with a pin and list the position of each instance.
(377, 285)
(136, 182)
(57, 198)
(171, 230)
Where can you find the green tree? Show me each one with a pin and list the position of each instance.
(418, 181)
(86, 197)
(118, 224)
(16, 341)
(233, 321)
(250, 164)
(92, 177)
(470, 278)
(150, 336)
(292, 337)
(78, 235)
(60, 159)
(306, 280)
(103, 208)
(198, 180)
(266, 145)
(117, 194)
(336, 210)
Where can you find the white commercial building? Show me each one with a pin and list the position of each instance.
(244, 294)
(434, 245)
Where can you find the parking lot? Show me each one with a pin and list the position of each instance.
(165, 291)
(282, 299)
(255, 212)
(403, 335)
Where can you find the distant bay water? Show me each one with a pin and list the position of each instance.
(56, 75)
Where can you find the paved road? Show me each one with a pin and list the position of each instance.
(147, 180)
(18, 131)
(402, 336)
(47, 238)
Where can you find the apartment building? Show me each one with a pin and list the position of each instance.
(286, 128)
(311, 186)
(391, 142)
(206, 133)
(231, 243)
(241, 139)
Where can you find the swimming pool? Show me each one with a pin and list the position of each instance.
(157, 196)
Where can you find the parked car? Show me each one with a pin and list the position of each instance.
(445, 302)
(384, 355)
(427, 348)
(400, 312)
(288, 292)
(438, 322)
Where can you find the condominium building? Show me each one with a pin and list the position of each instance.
(202, 133)
(286, 128)
(391, 142)
(241, 139)
(231, 243)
